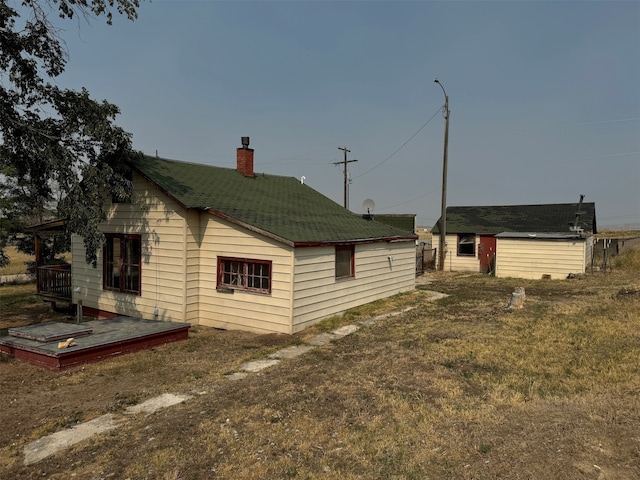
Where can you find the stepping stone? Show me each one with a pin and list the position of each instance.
(292, 352)
(346, 330)
(156, 403)
(257, 365)
(47, 446)
(323, 339)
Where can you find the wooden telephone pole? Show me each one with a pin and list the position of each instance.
(346, 175)
(443, 207)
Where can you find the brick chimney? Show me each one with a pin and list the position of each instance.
(245, 158)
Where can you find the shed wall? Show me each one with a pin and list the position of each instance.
(531, 259)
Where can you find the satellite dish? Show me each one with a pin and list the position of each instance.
(368, 205)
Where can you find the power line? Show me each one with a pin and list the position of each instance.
(401, 146)
(409, 201)
(600, 122)
(633, 215)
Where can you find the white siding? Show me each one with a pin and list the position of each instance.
(318, 295)
(522, 258)
(243, 310)
(193, 236)
(161, 223)
(456, 263)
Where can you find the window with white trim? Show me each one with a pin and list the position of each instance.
(244, 274)
(121, 263)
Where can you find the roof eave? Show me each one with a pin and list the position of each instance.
(357, 241)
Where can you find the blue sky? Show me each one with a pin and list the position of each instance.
(544, 96)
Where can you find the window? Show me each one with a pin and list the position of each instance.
(345, 264)
(466, 245)
(243, 274)
(121, 263)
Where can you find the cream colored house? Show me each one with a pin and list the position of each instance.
(521, 241)
(234, 249)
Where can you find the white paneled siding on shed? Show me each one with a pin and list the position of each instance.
(243, 310)
(318, 295)
(531, 259)
(161, 224)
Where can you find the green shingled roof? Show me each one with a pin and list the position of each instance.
(277, 206)
(548, 218)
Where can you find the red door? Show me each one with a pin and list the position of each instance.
(487, 253)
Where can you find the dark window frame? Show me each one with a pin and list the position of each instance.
(464, 246)
(130, 250)
(245, 275)
(340, 263)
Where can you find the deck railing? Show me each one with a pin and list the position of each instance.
(54, 281)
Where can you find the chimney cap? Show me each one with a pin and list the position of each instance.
(245, 142)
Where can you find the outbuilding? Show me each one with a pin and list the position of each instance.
(522, 241)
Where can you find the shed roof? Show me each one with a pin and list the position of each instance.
(403, 221)
(544, 218)
(280, 207)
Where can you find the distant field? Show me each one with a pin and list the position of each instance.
(618, 234)
(18, 262)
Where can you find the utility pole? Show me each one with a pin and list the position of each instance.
(443, 207)
(346, 174)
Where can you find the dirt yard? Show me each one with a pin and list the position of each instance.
(456, 388)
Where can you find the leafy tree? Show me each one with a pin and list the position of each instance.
(54, 138)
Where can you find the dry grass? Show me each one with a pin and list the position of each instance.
(628, 260)
(17, 262)
(458, 388)
(618, 234)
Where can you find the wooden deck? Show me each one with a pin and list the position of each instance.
(96, 340)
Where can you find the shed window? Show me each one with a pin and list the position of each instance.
(345, 263)
(244, 274)
(467, 245)
(121, 263)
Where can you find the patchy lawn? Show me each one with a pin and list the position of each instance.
(457, 388)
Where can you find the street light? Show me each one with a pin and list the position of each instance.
(443, 213)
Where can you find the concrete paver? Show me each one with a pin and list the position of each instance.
(155, 404)
(46, 446)
(292, 352)
(346, 330)
(257, 365)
